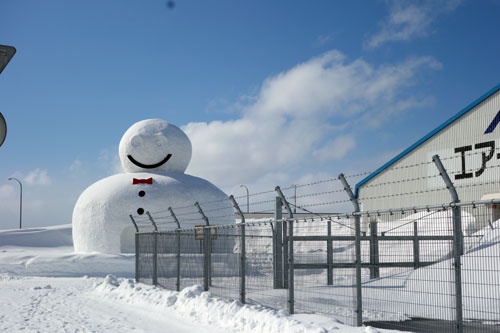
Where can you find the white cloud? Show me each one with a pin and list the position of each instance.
(9, 204)
(6, 191)
(37, 177)
(304, 116)
(76, 166)
(336, 148)
(325, 39)
(408, 20)
(110, 161)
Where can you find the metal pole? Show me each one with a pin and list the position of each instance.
(155, 258)
(242, 269)
(357, 224)
(291, 279)
(207, 262)
(416, 246)
(284, 201)
(137, 272)
(295, 198)
(291, 291)
(155, 250)
(178, 248)
(135, 224)
(20, 201)
(206, 256)
(248, 198)
(278, 258)
(458, 247)
(329, 255)
(152, 221)
(136, 237)
(203, 216)
(374, 253)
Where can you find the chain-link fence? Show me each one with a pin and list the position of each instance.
(424, 269)
(408, 269)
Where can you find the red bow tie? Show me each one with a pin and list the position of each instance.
(136, 181)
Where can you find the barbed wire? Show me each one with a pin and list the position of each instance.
(417, 164)
(320, 197)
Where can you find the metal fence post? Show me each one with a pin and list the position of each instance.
(285, 240)
(178, 248)
(155, 259)
(207, 262)
(134, 223)
(152, 221)
(357, 226)
(374, 253)
(291, 291)
(242, 266)
(329, 255)
(137, 255)
(291, 272)
(155, 250)
(416, 246)
(458, 247)
(278, 269)
(137, 247)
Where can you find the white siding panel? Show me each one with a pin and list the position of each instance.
(414, 180)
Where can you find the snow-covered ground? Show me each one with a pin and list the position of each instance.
(46, 287)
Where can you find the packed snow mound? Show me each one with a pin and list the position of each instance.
(431, 223)
(28, 281)
(154, 155)
(485, 237)
(116, 304)
(48, 251)
(101, 217)
(38, 237)
(148, 142)
(202, 307)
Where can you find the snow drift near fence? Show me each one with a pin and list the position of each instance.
(48, 251)
(208, 310)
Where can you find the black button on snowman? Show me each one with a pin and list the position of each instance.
(154, 156)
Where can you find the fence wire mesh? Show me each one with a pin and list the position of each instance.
(416, 271)
(408, 267)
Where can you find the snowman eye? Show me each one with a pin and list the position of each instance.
(136, 141)
(160, 140)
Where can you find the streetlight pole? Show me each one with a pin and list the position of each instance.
(248, 198)
(20, 201)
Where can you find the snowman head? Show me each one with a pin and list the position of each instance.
(153, 145)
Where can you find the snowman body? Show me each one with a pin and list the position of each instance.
(102, 214)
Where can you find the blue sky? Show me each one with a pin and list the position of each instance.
(270, 92)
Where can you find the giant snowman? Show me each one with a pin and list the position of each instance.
(154, 155)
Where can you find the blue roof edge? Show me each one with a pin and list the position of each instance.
(425, 138)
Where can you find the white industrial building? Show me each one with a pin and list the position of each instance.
(468, 145)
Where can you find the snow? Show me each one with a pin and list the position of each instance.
(47, 287)
(149, 141)
(101, 217)
(153, 150)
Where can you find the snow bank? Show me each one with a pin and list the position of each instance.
(48, 251)
(231, 315)
(38, 237)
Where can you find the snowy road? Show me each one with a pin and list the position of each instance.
(72, 305)
(42, 290)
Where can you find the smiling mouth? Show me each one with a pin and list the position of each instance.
(149, 166)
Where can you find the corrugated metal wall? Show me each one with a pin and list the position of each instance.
(471, 157)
